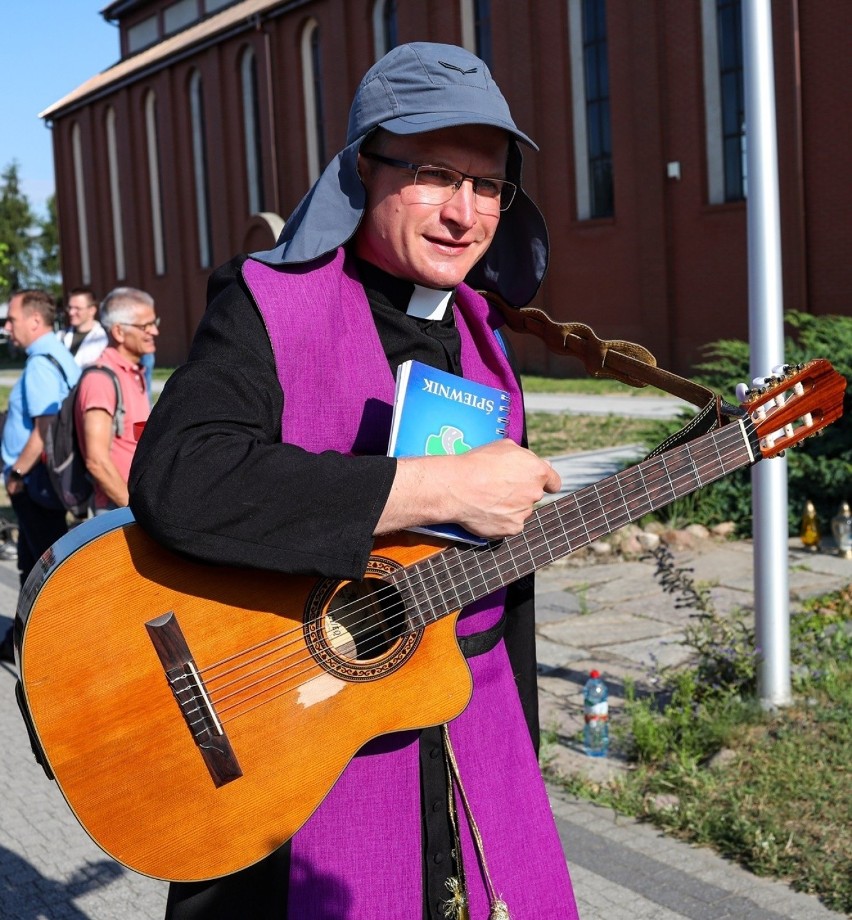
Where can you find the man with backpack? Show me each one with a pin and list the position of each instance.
(113, 396)
(49, 374)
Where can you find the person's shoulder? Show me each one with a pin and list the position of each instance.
(52, 351)
(223, 279)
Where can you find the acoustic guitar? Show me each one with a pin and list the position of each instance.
(194, 716)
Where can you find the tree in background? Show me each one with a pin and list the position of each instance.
(48, 250)
(29, 245)
(16, 225)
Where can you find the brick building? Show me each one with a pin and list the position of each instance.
(220, 113)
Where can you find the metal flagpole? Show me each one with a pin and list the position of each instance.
(766, 338)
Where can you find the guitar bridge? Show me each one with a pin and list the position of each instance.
(192, 698)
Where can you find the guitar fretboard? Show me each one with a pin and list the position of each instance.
(458, 576)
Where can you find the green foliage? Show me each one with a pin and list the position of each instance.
(16, 223)
(48, 249)
(724, 646)
(692, 725)
(29, 245)
(778, 801)
(820, 469)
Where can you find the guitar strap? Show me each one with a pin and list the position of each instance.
(620, 360)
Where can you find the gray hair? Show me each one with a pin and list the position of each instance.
(118, 306)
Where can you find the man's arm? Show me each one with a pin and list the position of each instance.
(97, 433)
(490, 490)
(30, 455)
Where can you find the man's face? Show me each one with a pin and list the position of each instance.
(81, 312)
(23, 326)
(139, 337)
(435, 245)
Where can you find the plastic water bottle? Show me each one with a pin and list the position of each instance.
(596, 710)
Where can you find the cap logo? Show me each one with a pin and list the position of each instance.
(459, 69)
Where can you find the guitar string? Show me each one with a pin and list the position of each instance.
(414, 591)
(392, 589)
(600, 493)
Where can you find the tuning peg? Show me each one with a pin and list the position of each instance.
(743, 392)
(781, 370)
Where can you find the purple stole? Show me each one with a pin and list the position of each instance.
(359, 855)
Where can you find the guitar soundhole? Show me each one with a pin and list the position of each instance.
(359, 630)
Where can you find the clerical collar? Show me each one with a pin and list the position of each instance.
(414, 299)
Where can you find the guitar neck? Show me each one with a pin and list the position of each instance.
(458, 576)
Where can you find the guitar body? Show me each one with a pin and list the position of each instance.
(293, 697)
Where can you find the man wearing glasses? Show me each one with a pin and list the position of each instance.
(268, 450)
(105, 428)
(85, 337)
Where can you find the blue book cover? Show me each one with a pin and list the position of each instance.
(438, 413)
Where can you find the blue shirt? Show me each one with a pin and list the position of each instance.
(40, 390)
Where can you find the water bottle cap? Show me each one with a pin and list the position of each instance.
(594, 673)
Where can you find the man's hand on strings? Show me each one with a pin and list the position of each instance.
(490, 490)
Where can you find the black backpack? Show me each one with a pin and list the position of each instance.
(65, 465)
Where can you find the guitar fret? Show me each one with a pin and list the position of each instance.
(546, 547)
(555, 509)
(695, 471)
(462, 593)
(418, 593)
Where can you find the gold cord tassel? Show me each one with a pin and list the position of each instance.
(499, 910)
(455, 907)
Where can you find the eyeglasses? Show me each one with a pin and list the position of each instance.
(155, 324)
(438, 184)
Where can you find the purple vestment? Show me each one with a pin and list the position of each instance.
(359, 856)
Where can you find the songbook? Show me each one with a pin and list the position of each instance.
(437, 413)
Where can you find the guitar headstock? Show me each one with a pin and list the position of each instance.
(793, 404)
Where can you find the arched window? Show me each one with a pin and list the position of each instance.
(251, 131)
(80, 195)
(199, 168)
(384, 27)
(115, 196)
(154, 182)
(312, 88)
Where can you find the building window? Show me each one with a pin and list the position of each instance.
(179, 15)
(312, 88)
(482, 29)
(115, 196)
(80, 200)
(724, 100)
(154, 190)
(212, 5)
(199, 168)
(251, 131)
(384, 26)
(142, 34)
(732, 96)
(591, 108)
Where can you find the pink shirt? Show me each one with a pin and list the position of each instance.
(97, 391)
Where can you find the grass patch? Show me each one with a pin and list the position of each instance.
(772, 791)
(551, 434)
(585, 385)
